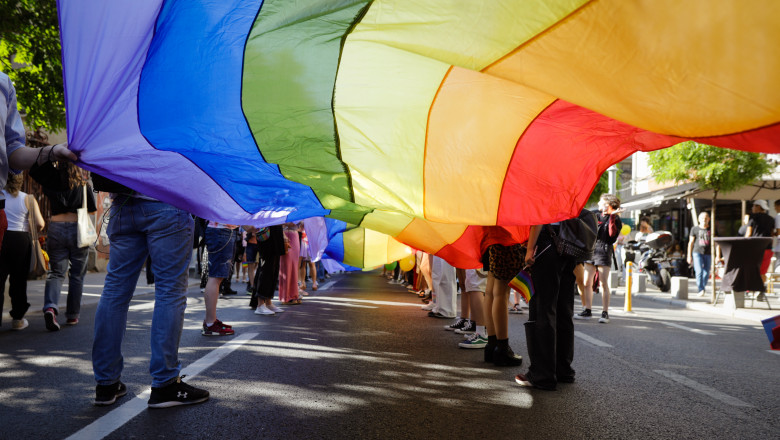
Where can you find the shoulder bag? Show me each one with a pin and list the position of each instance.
(37, 260)
(86, 229)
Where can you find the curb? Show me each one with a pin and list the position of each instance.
(707, 308)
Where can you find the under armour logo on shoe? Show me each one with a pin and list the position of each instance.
(181, 395)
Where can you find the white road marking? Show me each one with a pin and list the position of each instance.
(774, 351)
(682, 327)
(327, 285)
(591, 340)
(114, 420)
(704, 389)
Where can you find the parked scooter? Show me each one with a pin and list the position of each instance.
(650, 257)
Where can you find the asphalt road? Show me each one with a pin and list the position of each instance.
(359, 359)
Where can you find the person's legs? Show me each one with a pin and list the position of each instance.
(698, 269)
(706, 268)
(444, 286)
(564, 335)
(487, 311)
(78, 268)
(57, 247)
(168, 236)
(542, 321)
(587, 298)
(127, 255)
(604, 279)
(219, 243)
(18, 268)
(313, 275)
(579, 277)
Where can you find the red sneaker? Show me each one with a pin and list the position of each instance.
(217, 329)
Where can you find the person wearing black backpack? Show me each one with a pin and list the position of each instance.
(609, 225)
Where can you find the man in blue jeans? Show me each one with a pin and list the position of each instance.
(141, 227)
(699, 248)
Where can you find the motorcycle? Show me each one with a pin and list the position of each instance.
(651, 258)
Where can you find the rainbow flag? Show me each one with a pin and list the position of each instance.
(422, 121)
(772, 329)
(523, 284)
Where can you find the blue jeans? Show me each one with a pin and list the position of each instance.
(139, 228)
(63, 251)
(701, 266)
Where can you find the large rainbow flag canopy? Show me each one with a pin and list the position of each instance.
(427, 121)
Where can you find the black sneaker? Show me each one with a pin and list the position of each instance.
(604, 317)
(468, 328)
(586, 314)
(460, 322)
(106, 394)
(175, 394)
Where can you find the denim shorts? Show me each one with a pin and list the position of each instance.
(251, 252)
(220, 243)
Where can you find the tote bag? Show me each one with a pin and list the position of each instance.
(37, 260)
(86, 229)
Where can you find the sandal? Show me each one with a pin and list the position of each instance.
(292, 302)
(314, 286)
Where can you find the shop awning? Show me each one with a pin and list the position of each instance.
(655, 198)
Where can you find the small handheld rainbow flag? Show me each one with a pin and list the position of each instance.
(523, 284)
(772, 329)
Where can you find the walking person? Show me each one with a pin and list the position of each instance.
(16, 250)
(700, 251)
(64, 186)
(14, 155)
(609, 226)
(141, 226)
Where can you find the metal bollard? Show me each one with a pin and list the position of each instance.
(629, 279)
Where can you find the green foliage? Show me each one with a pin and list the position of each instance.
(30, 55)
(602, 187)
(719, 169)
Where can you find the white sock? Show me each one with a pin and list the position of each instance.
(209, 324)
(482, 331)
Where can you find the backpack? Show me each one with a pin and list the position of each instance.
(576, 236)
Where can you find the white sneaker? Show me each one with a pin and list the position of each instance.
(428, 307)
(263, 310)
(19, 324)
(274, 308)
(701, 293)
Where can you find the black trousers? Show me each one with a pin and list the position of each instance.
(15, 257)
(266, 275)
(550, 329)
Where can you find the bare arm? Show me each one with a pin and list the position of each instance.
(749, 232)
(26, 157)
(38, 216)
(690, 249)
(529, 253)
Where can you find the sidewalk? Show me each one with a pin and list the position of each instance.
(753, 310)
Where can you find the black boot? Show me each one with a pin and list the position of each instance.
(491, 345)
(503, 356)
(224, 288)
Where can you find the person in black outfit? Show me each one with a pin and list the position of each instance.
(609, 226)
(549, 330)
(267, 273)
(761, 224)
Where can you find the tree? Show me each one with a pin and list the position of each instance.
(30, 55)
(602, 187)
(712, 168)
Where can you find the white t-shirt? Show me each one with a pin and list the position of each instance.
(16, 212)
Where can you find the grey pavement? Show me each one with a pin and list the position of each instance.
(359, 359)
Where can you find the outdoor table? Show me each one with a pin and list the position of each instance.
(743, 266)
